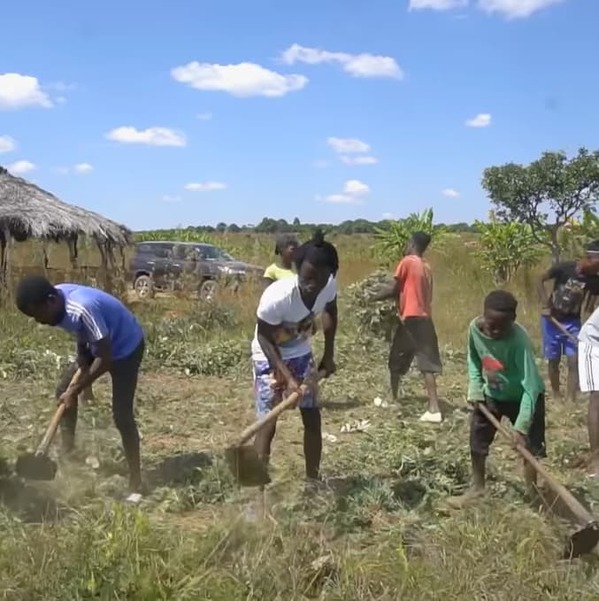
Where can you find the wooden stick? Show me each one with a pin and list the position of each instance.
(563, 330)
(250, 431)
(51, 431)
(560, 490)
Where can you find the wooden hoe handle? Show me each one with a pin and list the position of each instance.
(250, 431)
(51, 431)
(559, 489)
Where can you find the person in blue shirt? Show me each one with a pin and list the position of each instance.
(109, 340)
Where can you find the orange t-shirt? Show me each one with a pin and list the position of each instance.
(415, 279)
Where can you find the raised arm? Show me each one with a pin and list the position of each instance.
(393, 291)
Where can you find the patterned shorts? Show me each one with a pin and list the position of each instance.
(267, 395)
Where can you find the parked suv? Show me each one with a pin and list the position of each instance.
(162, 265)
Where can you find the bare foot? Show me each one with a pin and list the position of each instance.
(462, 501)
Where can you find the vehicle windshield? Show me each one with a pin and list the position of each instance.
(215, 253)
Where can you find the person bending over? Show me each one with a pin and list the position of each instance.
(503, 375)
(281, 351)
(109, 340)
(561, 314)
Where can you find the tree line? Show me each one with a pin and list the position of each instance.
(269, 225)
(548, 205)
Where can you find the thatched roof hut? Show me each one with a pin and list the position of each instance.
(27, 211)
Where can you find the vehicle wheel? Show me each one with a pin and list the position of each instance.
(207, 290)
(143, 287)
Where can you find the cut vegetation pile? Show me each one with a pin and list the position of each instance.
(380, 531)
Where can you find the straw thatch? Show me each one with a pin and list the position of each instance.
(27, 211)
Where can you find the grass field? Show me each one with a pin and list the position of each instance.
(379, 532)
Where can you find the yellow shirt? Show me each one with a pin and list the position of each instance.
(274, 272)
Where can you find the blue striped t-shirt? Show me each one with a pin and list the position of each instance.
(92, 314)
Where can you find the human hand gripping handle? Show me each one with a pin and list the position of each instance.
(51, 431)
(274, 413)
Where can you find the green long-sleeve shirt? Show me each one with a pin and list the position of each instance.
(504, 369)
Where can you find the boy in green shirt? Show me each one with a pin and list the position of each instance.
(503, 374)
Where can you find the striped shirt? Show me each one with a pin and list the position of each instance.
(92, 315)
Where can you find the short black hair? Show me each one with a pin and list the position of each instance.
(501, 301)
(420, 241)
(318, 252)
(33, 291)
(283, 241)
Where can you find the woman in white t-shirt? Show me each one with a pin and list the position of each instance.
(281, 350)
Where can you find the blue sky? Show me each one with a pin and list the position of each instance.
(227, 110)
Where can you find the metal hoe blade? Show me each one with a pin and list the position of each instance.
(36, 467)
(246, 466)
(583, 541)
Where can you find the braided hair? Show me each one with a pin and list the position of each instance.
(318, 252)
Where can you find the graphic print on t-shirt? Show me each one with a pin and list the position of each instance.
(570, 287)
(568, 296)
(492, 369)
(289, 333)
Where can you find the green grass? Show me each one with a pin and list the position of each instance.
(381, 530)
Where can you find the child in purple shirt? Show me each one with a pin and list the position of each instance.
(109, 339)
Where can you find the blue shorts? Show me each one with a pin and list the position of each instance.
(555, 342)
(267, 395)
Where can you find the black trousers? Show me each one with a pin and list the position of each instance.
(415, 338)
(124, 374)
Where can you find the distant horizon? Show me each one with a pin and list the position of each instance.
(326, 110)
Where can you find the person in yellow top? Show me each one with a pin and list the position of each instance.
(285, 247)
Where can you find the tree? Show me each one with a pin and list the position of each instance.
(505, 247)
(546, 194)
(391, 240)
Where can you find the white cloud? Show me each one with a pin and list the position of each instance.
(172, 199)
(7, 144)
(351, 146)
(152, 136)
(355, 187)
(357, 65)
(353, 192)
(83, 168)
(241, 80)
(437, 4)
(348, 145)
(20, 91)
(205, 186)
(511, 9)
(204, 116)
(481, 120)
(516, 9)
(20, 167)
(359, 160)
(450, 193)
(342, 199)
(388, 216)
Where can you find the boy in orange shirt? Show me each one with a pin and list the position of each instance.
(415, 336)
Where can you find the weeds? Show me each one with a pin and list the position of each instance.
(378, 531)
